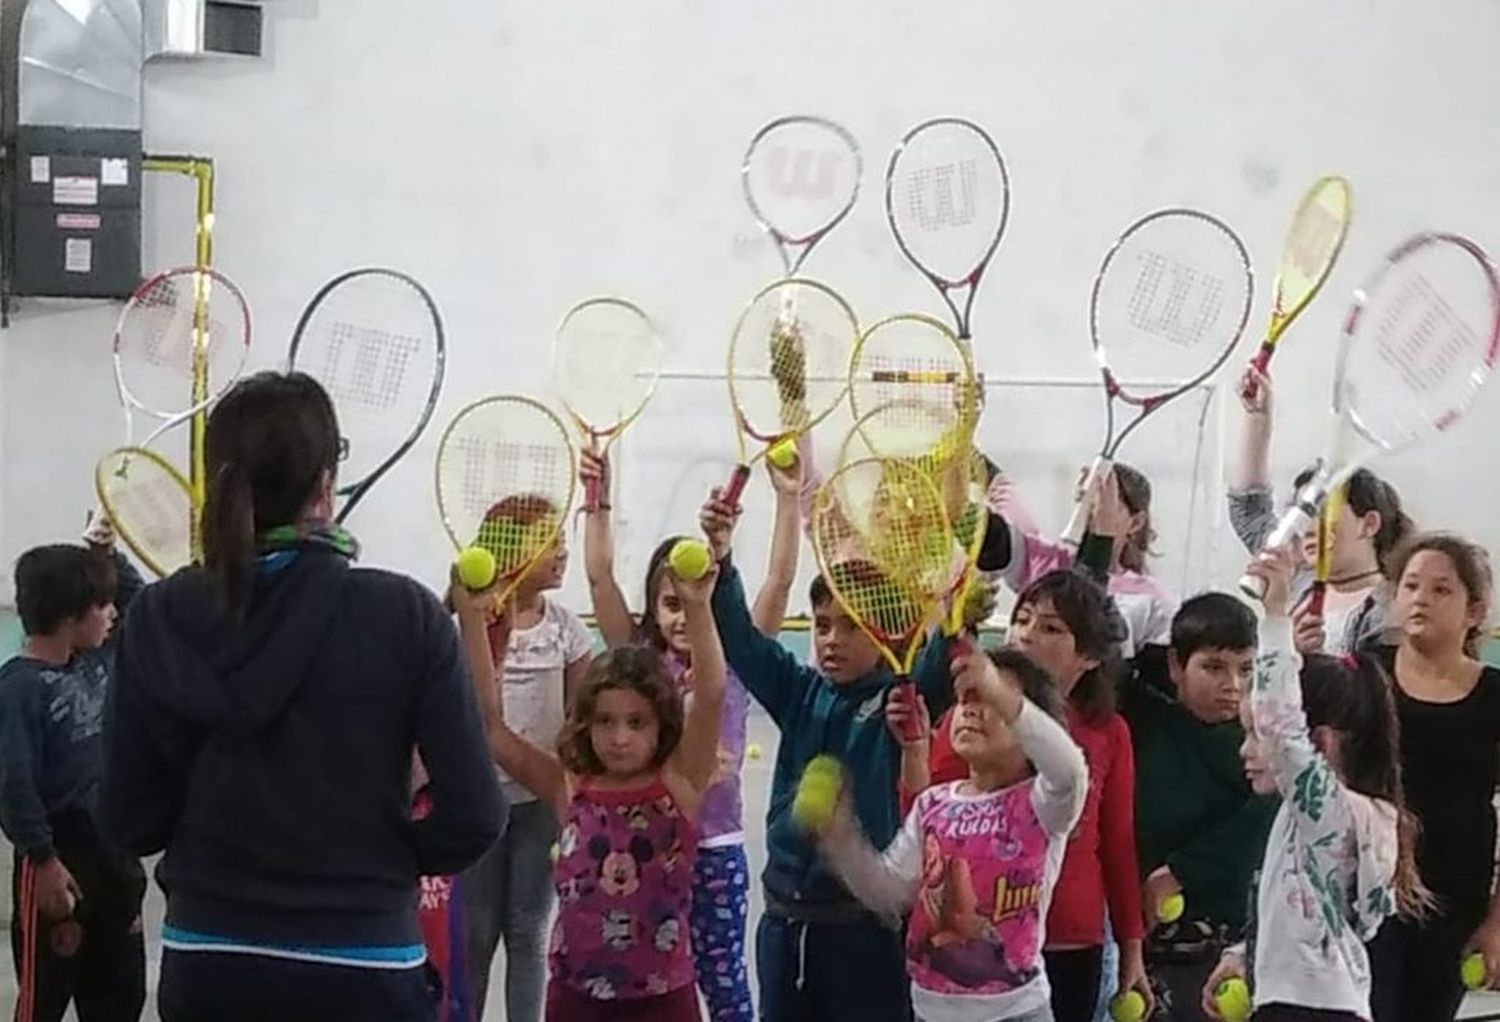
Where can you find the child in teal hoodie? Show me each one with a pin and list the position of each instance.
(819, 953)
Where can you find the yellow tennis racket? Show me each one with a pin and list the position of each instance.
(788, 366)
(505, 479)
(886, 550)
(606, 360)
(1312, 246)
(1323, 564)
(150, 506)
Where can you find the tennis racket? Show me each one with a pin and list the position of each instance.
(1170, 302)
(1323, 562)
(1418, 344)
(788, 368)
(921, 435)
(947, 200)
(606, 360)
(505, 481)
(801, 177)
(374, 339)
(181, 341)
(886, 550)
(150, 504)
(1312, 246)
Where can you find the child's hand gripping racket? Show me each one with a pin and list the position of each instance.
(1418, 345)
(788, 365)
(1312, 246)
(606, 360)
(505, 479)
(886, 549)
(1169, 304)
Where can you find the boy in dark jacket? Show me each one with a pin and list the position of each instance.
(76, 896)
(820, 954)
(1200, 831)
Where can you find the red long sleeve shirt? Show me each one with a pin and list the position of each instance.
(1100, 864)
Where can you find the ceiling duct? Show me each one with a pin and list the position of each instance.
(80, 64)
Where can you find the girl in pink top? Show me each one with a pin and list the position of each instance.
(626, 782)
(978, 858)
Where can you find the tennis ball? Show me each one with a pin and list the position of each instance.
(783, 453)
(1232, 998)
(476, 568)
(818, 793)
(753, 751)
(1128, 1007)
(1472, 971)
(689, 560)
(1171, 908)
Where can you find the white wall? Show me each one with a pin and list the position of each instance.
(520, 156)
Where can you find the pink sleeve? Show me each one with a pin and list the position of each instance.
(1035, 558)
(1117, 853)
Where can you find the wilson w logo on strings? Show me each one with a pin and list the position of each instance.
(1175, 302)
(807, 174)
(943, 195)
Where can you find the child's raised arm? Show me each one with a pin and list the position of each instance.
(537, 770)
(1251, 511)
(696, 759)
(616, 624)
(781, 569)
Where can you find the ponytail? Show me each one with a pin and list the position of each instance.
(229, 535)
(1366, 492)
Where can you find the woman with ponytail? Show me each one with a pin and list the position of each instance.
(260, 732)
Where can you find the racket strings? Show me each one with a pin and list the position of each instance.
(607, 359)
(157, 343)
(789, 360)
(801, 174)
(150, 508)
(952, 189)
(374, 374)
(1313, 242)
(1170, 315)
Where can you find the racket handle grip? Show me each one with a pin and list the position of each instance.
(911, 728)
(1315, 597)
(732, 493)
(1078, 524)
(1253, 586)
(1296, 521)
(1259, 363)
(591, 495)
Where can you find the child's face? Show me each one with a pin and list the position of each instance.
(624, 732)
(978, 732)
(1038, 631)
(843, 651)
(547, 573)
(1432, 605)
(670, 618)
(1257, 771)
(1211, 685)
(93, 626)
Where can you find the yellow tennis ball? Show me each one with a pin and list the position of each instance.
(783, 454)
(689, 560)
(1472, 971)
(1232, 998)
(1128, 1007)
(753, 751)
(476, 568)
(818, 793)
(1171, 908)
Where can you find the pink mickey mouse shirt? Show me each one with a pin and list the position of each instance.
(977, 871)
(624, 878)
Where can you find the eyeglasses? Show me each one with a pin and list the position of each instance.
(343, 449)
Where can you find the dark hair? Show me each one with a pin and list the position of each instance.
(270, 440)
(1212, 621)
(1470, 563)
(634, 669)
(818, 593)
(55, 584)
(1365, 492)
(1353, 696)
(1085, 608)
(656, 571)
(1036, 684)
(1135, 494)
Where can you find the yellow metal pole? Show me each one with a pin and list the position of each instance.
(201, 170)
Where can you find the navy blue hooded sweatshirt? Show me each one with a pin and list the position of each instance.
(271, 759)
